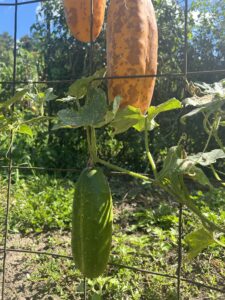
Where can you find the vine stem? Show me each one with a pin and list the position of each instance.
(149, 155)
(216, 175)
(125, 171)
(96, 159)
(93, 144)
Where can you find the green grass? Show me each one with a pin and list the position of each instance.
(145, 236)
(40, 204)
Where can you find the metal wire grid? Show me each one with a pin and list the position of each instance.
(10, 167)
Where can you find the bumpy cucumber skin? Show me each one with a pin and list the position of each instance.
(92, 223)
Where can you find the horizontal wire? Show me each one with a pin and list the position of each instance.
(118, 77)
(23, 3)
(58, 169)
(35, 1)
(42, 168)
(122, 267)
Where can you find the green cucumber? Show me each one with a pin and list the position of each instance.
(92, 223)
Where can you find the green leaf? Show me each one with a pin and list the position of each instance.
(197, 241)
(92, 113)
(153, 111)
(98, 74)
(111, 112)
(25, 129)
(170, 162)
(126, 118)
(140, 125)
(79, 88)
(16, 98)
(49, 95)
(171, 104)
(132, 116)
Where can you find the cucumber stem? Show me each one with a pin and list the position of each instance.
(149, 155)
(91, 160)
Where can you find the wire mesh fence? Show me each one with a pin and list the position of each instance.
(5, 250)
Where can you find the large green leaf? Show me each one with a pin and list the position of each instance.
(92, 113)
(110, 113)
(197, 241)
(80, 87)
(170, 104)
(154, 111)
(132, 116)
(126, 118)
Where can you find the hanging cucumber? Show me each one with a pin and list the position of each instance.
(92, 223)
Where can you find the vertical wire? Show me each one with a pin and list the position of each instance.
(85, 289)
(186, 39)
(179, 266)
(180, 230)
(10, 158)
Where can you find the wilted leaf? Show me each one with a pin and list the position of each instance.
(207, 158)
(199, 176)
(211, 98)
(66, 99)
(216, 88)
(207, 108)
(175, 166)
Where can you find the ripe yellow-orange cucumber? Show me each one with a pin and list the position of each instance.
(132, 47)
(78, 17)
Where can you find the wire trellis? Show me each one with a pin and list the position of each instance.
(178, 277)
